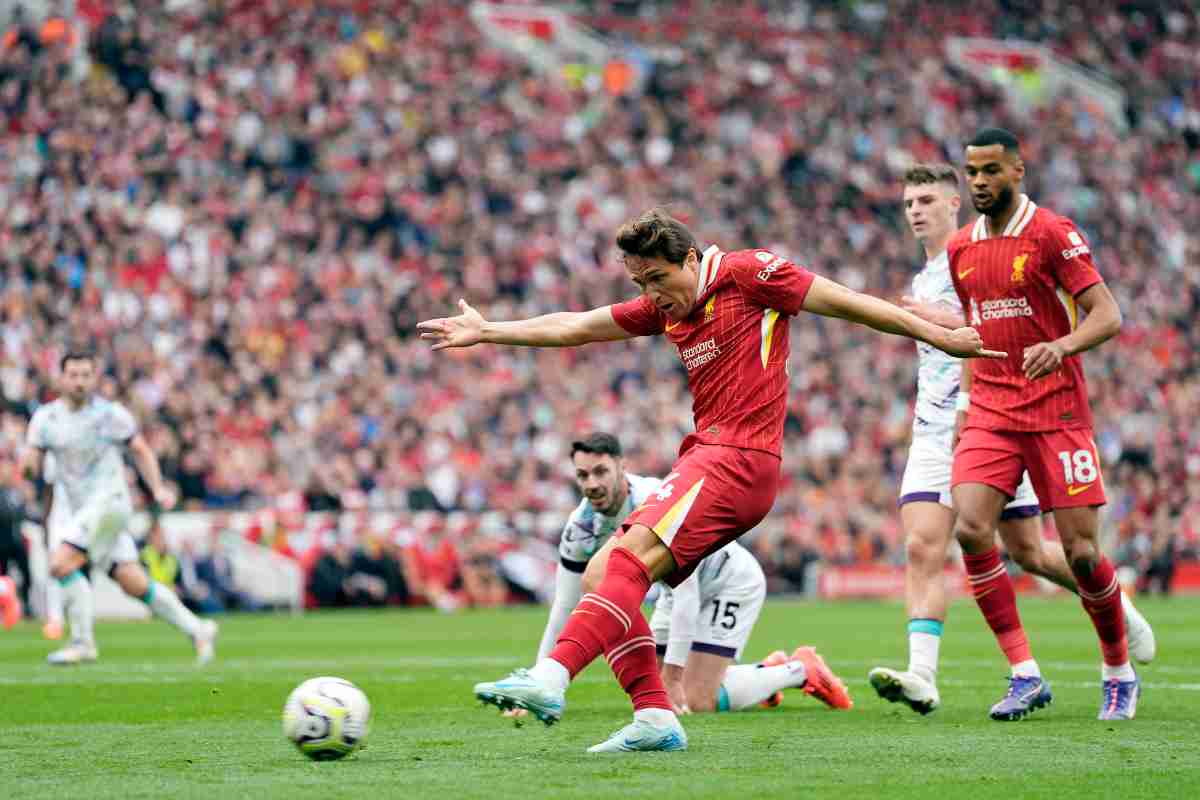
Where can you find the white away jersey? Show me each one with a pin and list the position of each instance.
(938, 374)
(587, 530)
(87, 446)
(733, 567)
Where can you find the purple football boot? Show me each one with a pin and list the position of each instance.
(1025, 695)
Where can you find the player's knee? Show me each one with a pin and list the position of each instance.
(1083, 557)
(132, 581)
(63, 564)
(972, 530)
(922, 548)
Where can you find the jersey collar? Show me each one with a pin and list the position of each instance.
(1016, 226)
(710, 263)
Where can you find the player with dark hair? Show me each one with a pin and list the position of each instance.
(1023, 274)
(723, 312)
(86, 435)
(931, 203)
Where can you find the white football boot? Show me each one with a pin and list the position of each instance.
(522, 690)
(206, 642)
(641, 736)
(74, 653)
(916, 692)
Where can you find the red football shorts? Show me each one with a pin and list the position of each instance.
(1064, 466)
(712, 496)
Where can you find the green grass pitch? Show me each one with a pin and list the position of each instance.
(143, 722)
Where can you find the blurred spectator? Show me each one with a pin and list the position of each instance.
(161, 564)
(376, 568)
(482, 585)
(207, 580)
(431, 561)
(791, 558)
(15, 507)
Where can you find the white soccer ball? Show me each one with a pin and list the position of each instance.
(326, 718)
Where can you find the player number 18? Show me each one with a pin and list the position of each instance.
(1078, 467)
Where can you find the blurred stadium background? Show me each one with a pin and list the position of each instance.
(246, 207)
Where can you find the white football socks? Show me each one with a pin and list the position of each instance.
(747, 685)
(1027, 669)
(1123, 673)
(80, 607)
(658, 717)
(165, 605)
(551, 672)
(923, 654)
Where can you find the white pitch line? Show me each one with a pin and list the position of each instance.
(999, 665)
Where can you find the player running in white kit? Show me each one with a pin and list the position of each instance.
(87, 435)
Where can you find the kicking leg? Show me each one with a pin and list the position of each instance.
(608, 619)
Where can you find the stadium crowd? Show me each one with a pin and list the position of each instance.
(247, 205)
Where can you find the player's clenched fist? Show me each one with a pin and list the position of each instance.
(462, 331)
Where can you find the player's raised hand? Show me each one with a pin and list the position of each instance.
(967, 343)
(1042, 359)
(462, 331)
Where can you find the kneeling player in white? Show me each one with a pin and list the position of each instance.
(701, 627)
(86, 434)
(931, 203)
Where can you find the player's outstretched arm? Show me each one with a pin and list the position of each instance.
(1103, 322)
(937, 313)
(831, 299)
(561, 329)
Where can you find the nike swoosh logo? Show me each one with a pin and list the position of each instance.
(1074, 490)
(673, 327)
(966, 272)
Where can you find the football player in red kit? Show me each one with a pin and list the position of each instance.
(727, 314)
(1024, 274)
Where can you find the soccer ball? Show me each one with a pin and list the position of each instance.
(326, 718)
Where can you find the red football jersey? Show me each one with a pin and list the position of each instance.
(1019, 289)
(734, 344)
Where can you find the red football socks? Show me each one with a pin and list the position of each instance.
(1101, 596)
(997, 600)
(609, 620)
